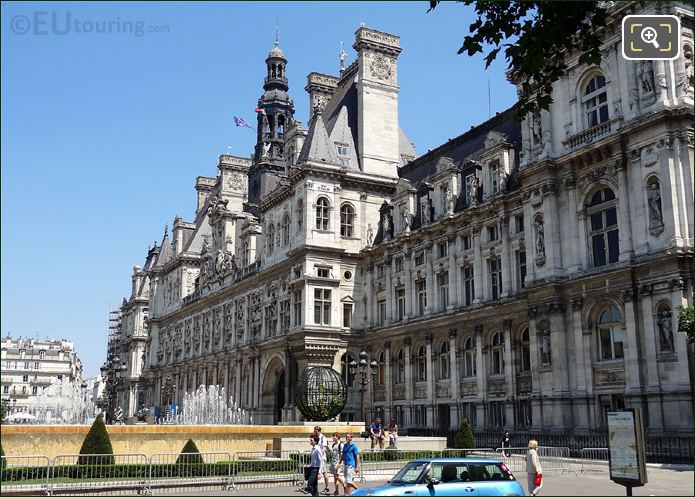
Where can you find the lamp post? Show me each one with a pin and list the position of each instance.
(112, 372)
(367, 375)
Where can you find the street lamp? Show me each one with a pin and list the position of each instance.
(112, 371)
(365, 378)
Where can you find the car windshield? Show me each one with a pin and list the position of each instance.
(409, 473)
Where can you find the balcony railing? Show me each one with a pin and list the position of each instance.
(595, 132)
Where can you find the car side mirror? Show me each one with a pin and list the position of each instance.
(431, 482)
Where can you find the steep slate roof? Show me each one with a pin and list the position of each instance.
(318, 146)
(166, 253)
(340, 132)
(469, 145)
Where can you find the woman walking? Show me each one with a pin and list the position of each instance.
(534, 472)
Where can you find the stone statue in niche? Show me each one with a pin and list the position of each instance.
(424, 213)
(370, 234)
(537, 129)
(646, 75)
(266, 150)
(386, 225)
(449, 202)
(540, 237)
(504, 177)
(474, 188)
(665, 331)
(406, 219)
(654, 197)
(546, 359)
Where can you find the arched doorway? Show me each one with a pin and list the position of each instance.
(279, 398)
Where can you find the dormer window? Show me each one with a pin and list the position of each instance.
(323, 272)
(343, 152)
(494, 177)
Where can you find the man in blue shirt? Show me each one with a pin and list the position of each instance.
(351, 458)
(376, 432)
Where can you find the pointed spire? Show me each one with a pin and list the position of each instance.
(277, 32)
(317, 145)
(166, 231)
(342, 56)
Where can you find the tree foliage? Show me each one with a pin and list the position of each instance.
(190, 454)
(536, 38)
(464, 437)
(97, 441)
(686, 322)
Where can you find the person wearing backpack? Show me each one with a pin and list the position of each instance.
(335, 453)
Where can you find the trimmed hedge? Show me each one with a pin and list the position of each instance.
(97, 441)
(190, 454)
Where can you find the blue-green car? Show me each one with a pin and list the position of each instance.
(449, 476)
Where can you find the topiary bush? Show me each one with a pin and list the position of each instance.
(97, 441)
(190, 454)
(464, 437)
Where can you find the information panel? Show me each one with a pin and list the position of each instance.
(626, 448)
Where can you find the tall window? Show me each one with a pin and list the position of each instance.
(492, 233)
(443, 286)
(521, 268)
(398, 264)
(467, 189)
(525, 352)
(524, 414)
(496, 414)
(469, 358)
(382, 369)
(285, 230)
(400, 303)
(610, 334)
(400, 367)
(270, 238)
(595, 101)
(467, 242)
(497, 353)
(347, 315)
(345, 367)
(322, 306)
(602, 213)
(421, 290)
(297, 303)
(494, 177)
(495, 278)
(444, 369)
(343, 152)
(323, 210)
(300, 214)
(284, 315)
(519, 223)
(42, 354)
(382, 313)
(347, 220)
(468, 285)
(421, 364)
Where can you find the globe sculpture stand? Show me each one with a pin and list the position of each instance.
(321, 394)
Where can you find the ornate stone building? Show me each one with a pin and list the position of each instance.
(522, 275)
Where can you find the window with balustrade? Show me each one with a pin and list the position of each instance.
(610, 335)
(602, 215)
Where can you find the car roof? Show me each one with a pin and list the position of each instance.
(459, 459)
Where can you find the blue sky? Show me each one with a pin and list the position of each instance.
(103, 134)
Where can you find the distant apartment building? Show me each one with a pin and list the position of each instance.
(30, 365)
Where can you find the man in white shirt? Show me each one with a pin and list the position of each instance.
(323, 444)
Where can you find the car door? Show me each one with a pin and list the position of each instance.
(488, 479)
(443, 479)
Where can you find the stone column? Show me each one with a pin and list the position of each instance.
(530, 243)
(257, 381)
(288, 380)
(631, 358)
(508, 373)
(390, 314)
(430, 282)
(237, 381)
(430, 379)
(388, 383)
(574, 262)
(536, 414)
(683, 350)
(480, 377)
(370, 293)
(454, 286)
(408, 379)
(454, 381)
(649, 361)
(558, 353)
(478, 270)
(582, 363)
(409, 287)
(506, 257)
(624, 223)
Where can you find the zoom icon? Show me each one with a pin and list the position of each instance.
(651, 37)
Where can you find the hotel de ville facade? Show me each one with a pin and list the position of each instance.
(523, 275)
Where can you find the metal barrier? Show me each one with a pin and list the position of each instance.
(388, 461)
(594, 459)
(268, 466)
(189, 469)
(75, 472)
(26, 474)
(551, 458)
(481, 452)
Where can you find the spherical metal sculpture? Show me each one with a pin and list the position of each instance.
(321, 394)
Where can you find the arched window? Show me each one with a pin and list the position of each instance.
(400, 367)
(524, 351)
(270, 237)
(278, 238)
(323, 210)
(469, 358)
(300, 213)
(444, 369)
(497, 353)
(610, 335)
(595, 101)
(664, 323)
(285, 230)
(382, 364)
(345, 369)
(603, 227)
(347, 220)
(421, 364)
